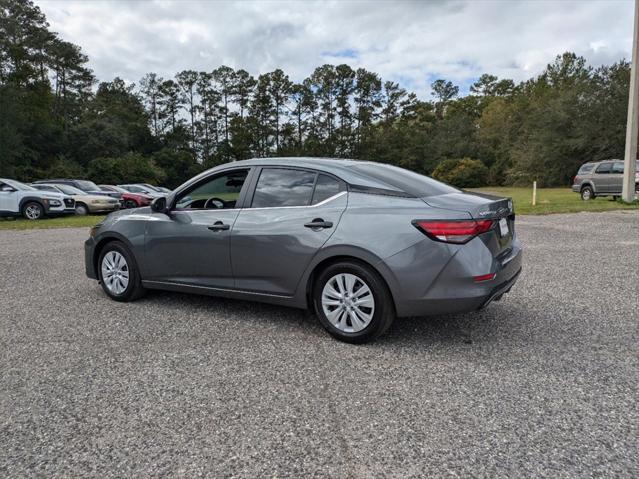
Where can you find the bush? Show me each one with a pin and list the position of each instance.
(130, 168)
(464, 173)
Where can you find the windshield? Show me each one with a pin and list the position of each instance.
(407, 181)
(151, 187)
(113, 188)
(19, 186)
(69, 190)
(85, 185)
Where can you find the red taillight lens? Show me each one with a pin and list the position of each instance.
(453, 231)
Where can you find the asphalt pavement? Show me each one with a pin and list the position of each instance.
(544, 383)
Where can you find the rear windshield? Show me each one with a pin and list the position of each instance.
(587, 168)
(405, 180)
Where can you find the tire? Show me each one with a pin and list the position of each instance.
(32, 210)
(116, 285)
(587, 193)
(81, 209)
(130, 204)
(371, 319)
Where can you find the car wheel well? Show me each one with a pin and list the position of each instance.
(27, 201)
(99, 247)
(584, 185)
(322, 265)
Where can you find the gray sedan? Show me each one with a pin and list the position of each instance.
(358, 242)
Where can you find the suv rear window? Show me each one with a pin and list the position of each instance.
(412, 183)
(587, 168)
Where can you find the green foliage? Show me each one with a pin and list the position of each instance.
(53, 122)
(464, 173)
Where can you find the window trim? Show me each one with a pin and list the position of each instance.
(258, 173)
(206, 179)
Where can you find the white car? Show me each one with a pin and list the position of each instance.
(18, 199)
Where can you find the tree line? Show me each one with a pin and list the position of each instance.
(57, 120)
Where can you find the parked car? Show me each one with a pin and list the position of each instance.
(358, 242)
(84, 185)
(145, 190)
(84, 203)
(601, 178)
(162, 189)
(18, 199)
(128, 199)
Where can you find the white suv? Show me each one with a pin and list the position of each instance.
(18, 199)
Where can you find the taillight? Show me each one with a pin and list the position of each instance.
(575, 180)
(453, 231)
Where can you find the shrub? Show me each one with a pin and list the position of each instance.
(464, 173)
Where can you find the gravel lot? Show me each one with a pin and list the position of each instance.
(543, 383)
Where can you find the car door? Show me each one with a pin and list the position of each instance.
(191, 243)
(602, 178)
(616, 177)
(292, 213)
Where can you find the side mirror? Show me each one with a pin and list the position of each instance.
(7, 189)
(158, 205)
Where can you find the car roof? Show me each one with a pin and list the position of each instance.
(342, 168)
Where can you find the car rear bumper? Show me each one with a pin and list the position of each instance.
(453, 289)
(576, 188)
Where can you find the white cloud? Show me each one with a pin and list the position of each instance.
(411, 42)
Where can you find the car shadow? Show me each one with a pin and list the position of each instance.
(494, 324)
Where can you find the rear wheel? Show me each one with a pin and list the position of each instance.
(352, 302)
(32, 211)
(587, 193)
(81, 209)
(118, 272)
(130, 204)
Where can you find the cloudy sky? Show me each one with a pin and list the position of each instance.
(412, 42)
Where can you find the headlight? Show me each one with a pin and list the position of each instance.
(95, 202)
(55, 203)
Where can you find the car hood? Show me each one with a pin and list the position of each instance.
(477, 205)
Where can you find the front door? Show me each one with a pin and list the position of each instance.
(292, 214)
(616, 177)
(8, 199)
(191, 244)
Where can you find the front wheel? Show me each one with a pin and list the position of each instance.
(587, 193)
(352, 302)
(128, 204)
(32, 211)
(119, 276)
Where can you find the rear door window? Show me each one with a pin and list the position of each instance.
(407, 181)
(326, 187)
(604, 168)
(279, 187)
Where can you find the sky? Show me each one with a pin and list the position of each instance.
(411, 42)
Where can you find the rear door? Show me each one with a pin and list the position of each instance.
(602, 178)
(616, 177)
(292, 213)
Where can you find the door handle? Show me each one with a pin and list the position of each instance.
(219, 226)
(318, 223)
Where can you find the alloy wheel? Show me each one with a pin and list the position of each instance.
(115, 272)
(32, 212)
(348, 302)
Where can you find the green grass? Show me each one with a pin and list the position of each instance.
(47, 223)
(554, 200)
(549, 200)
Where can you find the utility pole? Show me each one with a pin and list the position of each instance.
(632, 128)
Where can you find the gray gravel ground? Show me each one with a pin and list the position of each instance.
(544, 383)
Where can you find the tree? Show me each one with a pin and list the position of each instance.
(151, 92)
(187, 81)
(443, 91)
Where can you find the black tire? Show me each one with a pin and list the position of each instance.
(587, 193)
(32, 210)
(128, 204)
(81, 209)
(134, 288)
(384, 310)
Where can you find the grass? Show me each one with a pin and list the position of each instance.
(555, 200)
(549, 200)
(47, 223)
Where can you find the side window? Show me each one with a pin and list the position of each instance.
(283, 187)
(5, 187)
(617, 167)
(325, 187)
(585, 169)
(604, 168)
(220, 192)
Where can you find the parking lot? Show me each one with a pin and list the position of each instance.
(543, 383)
